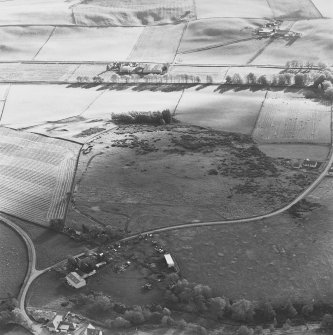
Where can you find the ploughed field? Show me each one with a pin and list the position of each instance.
(36, 173)
(140, 178)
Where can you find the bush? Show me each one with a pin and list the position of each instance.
(120, 322)
(134, 317)
(329, 94)
(167, 117)
(242, 310)
(266, 311)
(244, 330)
(228, 80)
(300, 80)
(217, 307)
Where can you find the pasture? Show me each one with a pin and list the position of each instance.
(157, 44)
(325, 7)
(133, 13)
(296, 151)
(44, 103)
(234, 111)
(42, 12)
(24, 72)
(36, 172)
(275, 259)
(233, 54)
(297, 9)
(22, 43)
(293, 119)
(232, 8)
(206, 34)
(95, 44)
(316, 40)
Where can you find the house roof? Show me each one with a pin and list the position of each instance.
(74, 278)
(169, 260)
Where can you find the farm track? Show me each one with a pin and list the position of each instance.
(49, 37)
(4, 102)
(259, 52)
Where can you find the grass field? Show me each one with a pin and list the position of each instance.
(134, 12)
(316, 40)
(36, 173)
(296, 151)
(234, 111)
(51, 247)
(44, 103)
(325, 7)
(277, 259)
(213, 32)
(157, 44)
(232, 8)
(293, 120)
(95, 44)
(298, 9)
(233, 54)
(22, 43)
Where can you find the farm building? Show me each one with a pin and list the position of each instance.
(75, 280)
(309, 164)
(169, 260)
(330, 171)
(53, 325)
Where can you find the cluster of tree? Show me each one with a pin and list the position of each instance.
(154, 118)
(325, 82)
(297, 64)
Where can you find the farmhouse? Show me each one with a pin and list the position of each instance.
(75, 280)
(309, 164)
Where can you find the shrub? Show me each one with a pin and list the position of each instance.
(266, 311)
(326, 84)
(167, 117)
(217, 306)
(329, 94)
(244, 330)
(242, 310)
(228, 80)
(120, 322)
(300, 80)
(134, 317)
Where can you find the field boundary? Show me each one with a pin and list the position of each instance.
(180, 41)
(4, 102)
(260, 51)
(40, 49)
(258, 116)
(137, 44)
(322, 16)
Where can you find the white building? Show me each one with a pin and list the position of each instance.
(91, 330)
(75, 280)
(169, 260)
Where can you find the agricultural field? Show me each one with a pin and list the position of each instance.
(293, 119)
(157, 44)
(296, 151)
(36, 173)
(133, 12)
(232, 8)
(30, 72)
(234, 54)
(316, 40)
(210, 33)
(22, 43)
(45, 103)
(141, 178)
(43, 12)
(325, 7)
(94, 44)
(298, 9)
(230, 110)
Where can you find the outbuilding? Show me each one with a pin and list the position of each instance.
(75, 280)
(169, 260)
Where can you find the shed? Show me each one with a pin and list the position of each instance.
(54, 324)
(169, 260)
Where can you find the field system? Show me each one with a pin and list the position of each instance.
(36, 174)
(183, 126)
